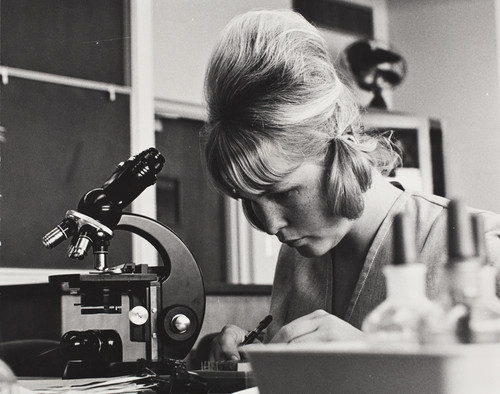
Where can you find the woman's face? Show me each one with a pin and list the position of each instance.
(296, 211)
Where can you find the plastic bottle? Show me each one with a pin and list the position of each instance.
(400, 320)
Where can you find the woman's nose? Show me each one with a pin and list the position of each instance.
(270, 215)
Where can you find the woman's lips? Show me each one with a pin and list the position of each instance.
(293, 243)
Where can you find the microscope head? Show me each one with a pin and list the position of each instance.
(100, 209)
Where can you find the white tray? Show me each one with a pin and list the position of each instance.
(354, 368)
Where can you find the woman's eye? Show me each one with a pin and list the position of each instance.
(285, 195)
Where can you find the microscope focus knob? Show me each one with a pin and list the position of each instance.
(138, 315)
(180, 323)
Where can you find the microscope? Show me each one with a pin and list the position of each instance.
(166, 303)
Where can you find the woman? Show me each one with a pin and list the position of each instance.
(284, 135)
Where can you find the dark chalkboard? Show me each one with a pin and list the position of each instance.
(60, 142)
(74, 38)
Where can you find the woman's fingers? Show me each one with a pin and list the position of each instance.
(318, 326)
(225, 345)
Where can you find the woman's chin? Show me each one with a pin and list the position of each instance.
(309, 250)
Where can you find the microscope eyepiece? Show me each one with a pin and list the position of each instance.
(128, 181)
(133, 176)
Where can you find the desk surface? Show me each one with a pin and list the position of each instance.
(122, 384)
(219, 382)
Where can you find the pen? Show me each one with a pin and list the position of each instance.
(250, 337)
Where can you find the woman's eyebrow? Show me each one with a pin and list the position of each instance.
(276, 187)
(282, 187)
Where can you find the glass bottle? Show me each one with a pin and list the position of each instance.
(460, 288)
(400, 320)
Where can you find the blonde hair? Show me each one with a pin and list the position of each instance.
(273, 93)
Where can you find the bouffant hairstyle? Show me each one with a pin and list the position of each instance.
(274, 101)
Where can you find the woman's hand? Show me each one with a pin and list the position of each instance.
(318, 326)
(225, 345)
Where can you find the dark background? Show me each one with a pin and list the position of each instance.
(62, 141)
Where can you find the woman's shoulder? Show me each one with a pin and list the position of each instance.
(432, 214)
(429, 204)
(427, 210)
(427, 201)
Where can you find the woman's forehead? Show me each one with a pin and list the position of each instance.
(300, 175)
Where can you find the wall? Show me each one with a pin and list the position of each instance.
(184, 35)
(451, 49)
(187, 202)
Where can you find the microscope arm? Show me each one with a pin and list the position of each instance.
(182, 291)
